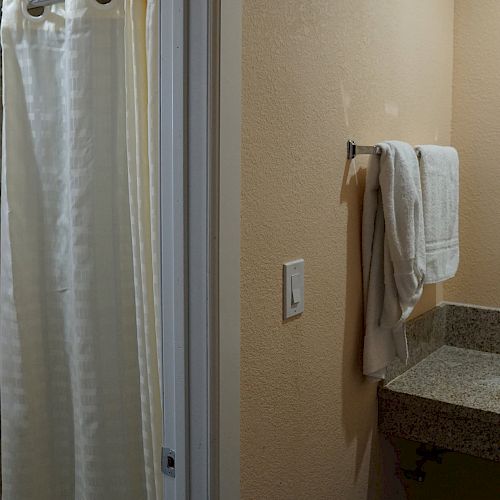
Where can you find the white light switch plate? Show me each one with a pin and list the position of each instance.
(293, 288)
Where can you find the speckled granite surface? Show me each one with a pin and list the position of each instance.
(457, 376)
(449, 393)
(464, 326)
(473, 327)
(424, 334)
(450, 399)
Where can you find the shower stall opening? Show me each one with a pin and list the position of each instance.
(110, 247)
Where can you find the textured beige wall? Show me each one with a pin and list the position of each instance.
(476, 135)
(316, 72)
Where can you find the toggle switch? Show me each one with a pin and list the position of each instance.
(293, 288)
(296, 289)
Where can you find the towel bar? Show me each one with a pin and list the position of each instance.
(353, 150)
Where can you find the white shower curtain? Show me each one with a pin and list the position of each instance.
(79, 374)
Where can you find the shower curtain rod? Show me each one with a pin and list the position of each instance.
(42, 3)
(353, 150)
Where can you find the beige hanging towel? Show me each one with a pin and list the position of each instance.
(439, 173)
(393, 244)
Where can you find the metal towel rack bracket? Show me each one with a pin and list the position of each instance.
(353, 150)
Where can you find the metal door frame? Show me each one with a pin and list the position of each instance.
(200, 67)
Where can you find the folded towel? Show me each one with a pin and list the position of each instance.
(393, 245)
(439, 178)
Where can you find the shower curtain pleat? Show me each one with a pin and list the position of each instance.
(142, 146)
(79, 374)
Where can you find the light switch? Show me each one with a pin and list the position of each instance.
(293, 288)
(296, 289)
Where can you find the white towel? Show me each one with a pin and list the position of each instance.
(393, 244)
(439, 174)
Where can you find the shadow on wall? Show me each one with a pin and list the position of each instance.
(359, 420)
(359, 394)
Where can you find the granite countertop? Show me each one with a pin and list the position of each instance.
(457, 376)
(449, 393)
